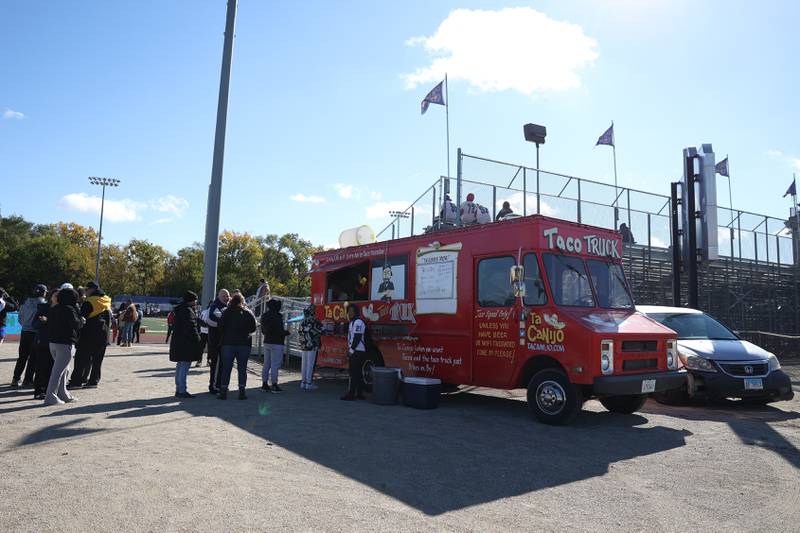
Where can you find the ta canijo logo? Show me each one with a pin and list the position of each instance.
(594, 245)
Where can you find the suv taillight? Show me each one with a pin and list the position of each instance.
(672, 354)
(607, 356)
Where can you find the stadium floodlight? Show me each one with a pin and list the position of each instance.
(103, 182)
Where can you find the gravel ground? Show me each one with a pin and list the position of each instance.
(129, 457)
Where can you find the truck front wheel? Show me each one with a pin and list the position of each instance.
(624, 404)
(552, 399)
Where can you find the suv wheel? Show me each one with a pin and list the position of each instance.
(552, 399)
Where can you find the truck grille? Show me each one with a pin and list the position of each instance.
(639, 364)
(741, 369)
(639, 346)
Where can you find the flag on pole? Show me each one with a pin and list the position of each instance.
(607, 137)
(436, 96)
(791, 190)
(721, 168)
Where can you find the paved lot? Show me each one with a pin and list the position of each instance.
(129, 457)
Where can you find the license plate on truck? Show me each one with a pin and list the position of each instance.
(648, 386)
(753, 384)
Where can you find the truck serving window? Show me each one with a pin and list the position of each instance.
(568, 280)
(494, 285)
(534, 286)
(349, 284)
(610, 285)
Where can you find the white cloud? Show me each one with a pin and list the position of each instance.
(796, 164)
(300, 197)
(658, 243)
(9, 114)
(125, 210)
(380, 210)
(774, 153)
(375, 196)
(516, 48)
(347, 191)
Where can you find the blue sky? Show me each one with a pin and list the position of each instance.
(321, 106)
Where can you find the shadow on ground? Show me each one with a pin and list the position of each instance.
(473, 449)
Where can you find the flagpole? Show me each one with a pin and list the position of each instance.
(797, 218)
(447, 119)
(616, 192)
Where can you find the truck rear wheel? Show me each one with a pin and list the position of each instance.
(624, 404)
(552, 399)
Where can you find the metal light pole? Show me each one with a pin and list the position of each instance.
(536, 134)
(211, 249)
(103, 182)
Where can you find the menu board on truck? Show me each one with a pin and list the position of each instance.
(436, 279)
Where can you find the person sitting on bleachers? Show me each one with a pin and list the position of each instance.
(469, 210)
(449, 212)
(484, 217)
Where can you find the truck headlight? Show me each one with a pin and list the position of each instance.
(693, 362)
(774, 364)
(672, 354)
(607, 357)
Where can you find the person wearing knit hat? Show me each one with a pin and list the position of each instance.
(184, 347)
(91, 349)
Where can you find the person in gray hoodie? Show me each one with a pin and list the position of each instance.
(27, 340)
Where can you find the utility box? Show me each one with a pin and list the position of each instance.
(705, 202)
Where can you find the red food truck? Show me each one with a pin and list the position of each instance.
(533, 302)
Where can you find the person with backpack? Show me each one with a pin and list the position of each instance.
(127, 319)
(310, 342)
(357, 340)
(236, 326)
(184, 348)
(215, 311)
(27, 339)
(63, 329)
(274, 341)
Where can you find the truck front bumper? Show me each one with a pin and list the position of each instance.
(632, 384)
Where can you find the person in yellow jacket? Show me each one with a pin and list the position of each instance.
(91, 349)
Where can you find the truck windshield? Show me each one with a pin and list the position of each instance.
(610, 285)
(694, 326)
(568, 280)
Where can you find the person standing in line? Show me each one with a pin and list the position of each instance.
(137, 324)
(44, 361)
(121, 321)
(310, 342)
(170, 320)
(127, 317)
(201, 323)
(91, 349)
(274, 341)
(185, 344)
(235, 327)
(63, 328)
(27, 340)
(215, 311)
(7, 305)
(357, 349)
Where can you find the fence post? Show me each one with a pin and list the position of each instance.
(538, 196)
(628, 195)
(766, 236)
(494, 202)
(739, 232)
(392, 230)
(525, 192)
(412, 220)
(579, 201)
(458, 185)
(433, 211)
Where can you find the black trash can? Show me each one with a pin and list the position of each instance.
(385, 385)
(422, 393)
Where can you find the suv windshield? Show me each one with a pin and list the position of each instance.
(568, 281)
(694, 326)
(610, 285)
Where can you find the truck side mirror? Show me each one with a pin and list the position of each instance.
(517, 278)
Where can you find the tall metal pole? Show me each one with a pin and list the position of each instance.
(100, 238)
(211, 249)
(447, 118)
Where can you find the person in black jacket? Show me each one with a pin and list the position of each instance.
(184, 347)
(43, 360)
(235, 327)
(63, 329)
(214, 316)
(91, 349)
(274, 339)
(7, 305)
